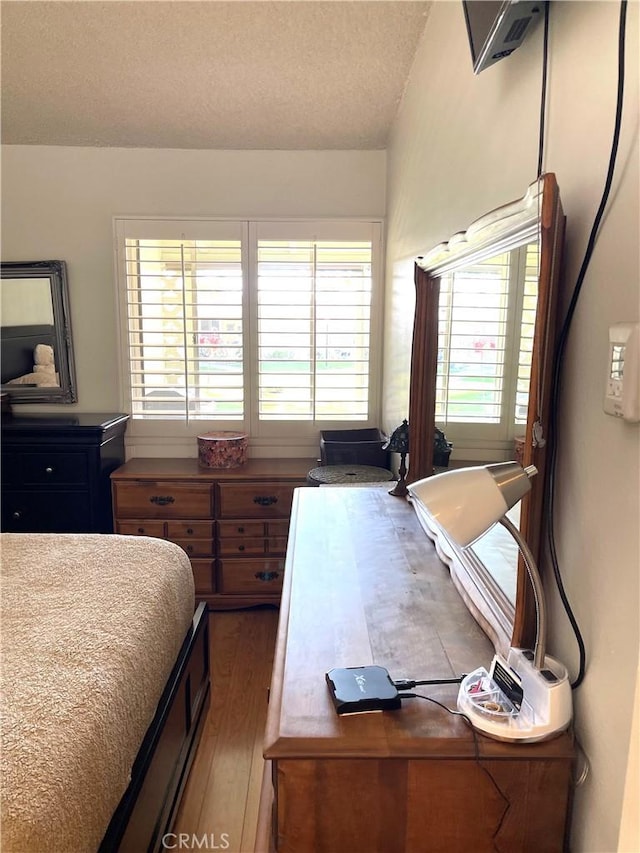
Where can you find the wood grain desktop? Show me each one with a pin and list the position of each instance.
(363, 585)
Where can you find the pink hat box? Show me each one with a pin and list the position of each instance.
(223, 449)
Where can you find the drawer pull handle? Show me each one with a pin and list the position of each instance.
(17, 515)
(190, 531)
(265, 500)
(162, 500)
(189, 549)
(48, 470)
(241, 530)
(267, 576)
(240, 547)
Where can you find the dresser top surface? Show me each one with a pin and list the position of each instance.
(180, 469)
(62, 422)
(364, 585)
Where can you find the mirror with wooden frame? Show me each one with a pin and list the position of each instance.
(482, 360)
(37, 350)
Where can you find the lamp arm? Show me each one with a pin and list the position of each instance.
(538, 592)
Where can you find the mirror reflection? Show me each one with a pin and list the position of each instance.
(486, 324)
(37, 358)
(481, 368)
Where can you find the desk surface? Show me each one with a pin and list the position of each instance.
(363, 585)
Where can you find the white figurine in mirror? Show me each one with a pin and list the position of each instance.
(44, 369)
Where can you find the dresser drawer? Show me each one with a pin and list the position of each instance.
(195, 547)
(277, 545)
(45, 469)
(46, 512)
(190, 530)
(278, 528)
(163, 500)
(239, 529)
(256, 500)
(257, 577)
(204, 576)
(243, 547)
(141, 528)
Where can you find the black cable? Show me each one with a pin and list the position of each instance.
(407, 684)
(543, 93)
(476, 750)
(562, 342)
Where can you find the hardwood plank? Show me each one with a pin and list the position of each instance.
(252, 811)
(223, 791)
(226, 797)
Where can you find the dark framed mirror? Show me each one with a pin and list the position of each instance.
(37, 362)
(490, 372)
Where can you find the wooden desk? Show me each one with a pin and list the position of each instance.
(363, 585)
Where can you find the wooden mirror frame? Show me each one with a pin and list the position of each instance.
(56, 273)
(536, 216)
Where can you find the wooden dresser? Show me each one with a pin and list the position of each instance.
(233, 523)
(55, 471)
(363, 585)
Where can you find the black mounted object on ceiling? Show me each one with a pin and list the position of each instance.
(497, 27)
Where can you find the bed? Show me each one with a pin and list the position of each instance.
(105, 688)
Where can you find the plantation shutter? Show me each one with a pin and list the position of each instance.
(527, 329)
(472, 341)
(184, 316)
(314, 309)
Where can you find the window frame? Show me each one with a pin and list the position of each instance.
(296, 436)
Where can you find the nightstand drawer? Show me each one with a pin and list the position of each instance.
(258, 577)
(163, 500)
(256, 500)
(45, 469)
(35, 512)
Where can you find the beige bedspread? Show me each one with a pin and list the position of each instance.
(91, 626)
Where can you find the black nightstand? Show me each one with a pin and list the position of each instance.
(55, 472)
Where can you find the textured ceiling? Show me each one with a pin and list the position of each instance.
(303, 74)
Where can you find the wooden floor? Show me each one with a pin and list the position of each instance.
(223, 792)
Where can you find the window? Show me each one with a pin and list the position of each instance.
(250, 323)
(485, 336)
(314, 312)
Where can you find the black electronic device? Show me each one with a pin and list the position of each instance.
(356, 689)
(497, 27)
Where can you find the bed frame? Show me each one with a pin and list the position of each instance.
(149, 806)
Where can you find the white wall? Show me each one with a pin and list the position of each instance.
(463, 145)
(58, 203)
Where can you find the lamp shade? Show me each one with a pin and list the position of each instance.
(466, 502)
(399, 441)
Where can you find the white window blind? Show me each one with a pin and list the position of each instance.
(314, 312)
(472, 334)
(271, 326)
(485, 340)
(185, 328)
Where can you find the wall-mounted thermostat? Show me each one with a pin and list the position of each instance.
(622, 395)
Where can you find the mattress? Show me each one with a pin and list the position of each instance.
(91, 628)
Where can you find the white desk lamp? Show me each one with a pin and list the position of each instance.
(527, 697)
